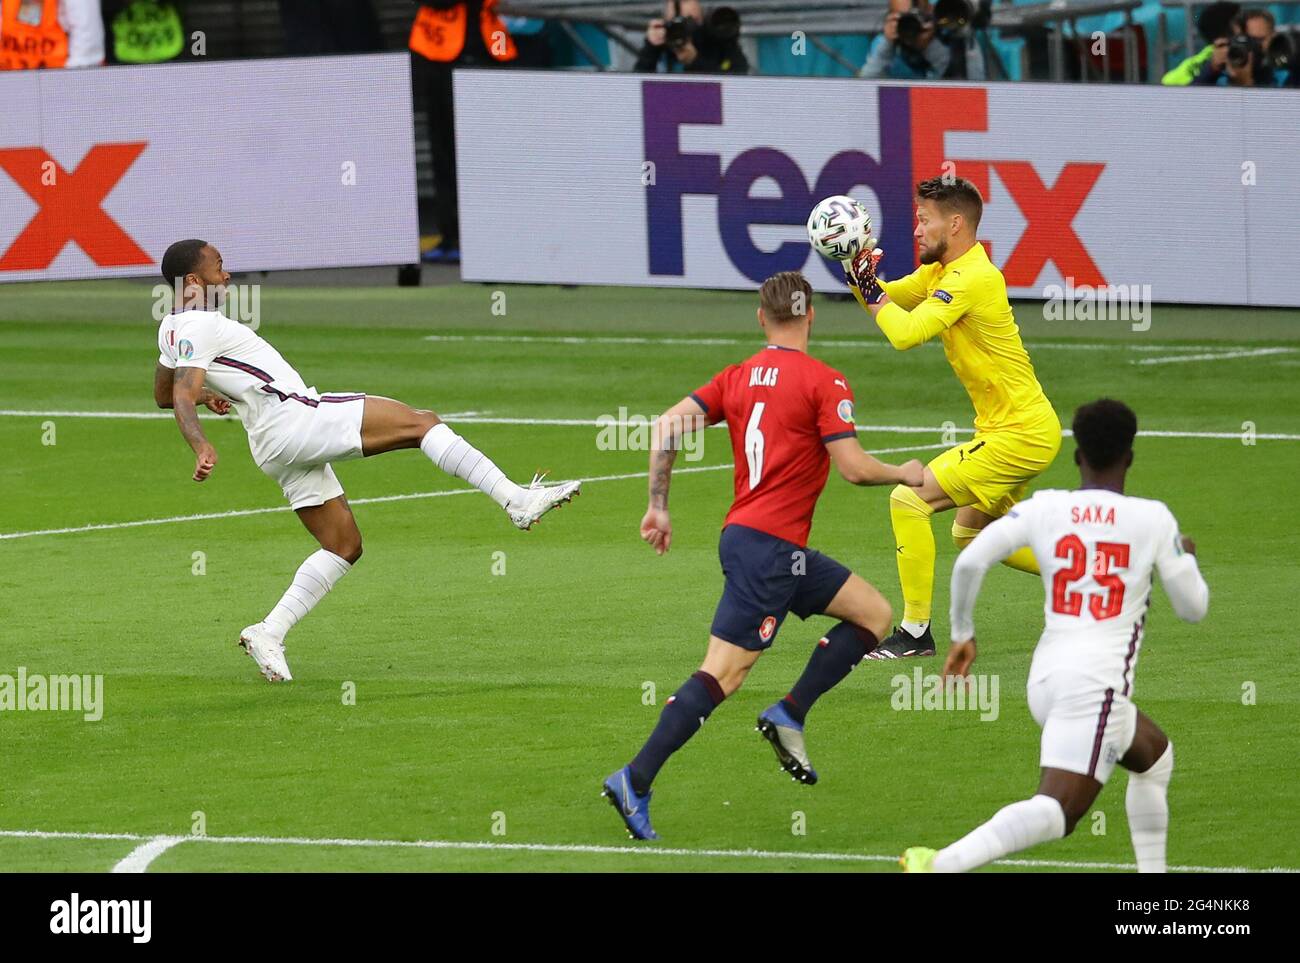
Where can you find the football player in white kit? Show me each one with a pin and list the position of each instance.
(1097, 548)
(295, 432)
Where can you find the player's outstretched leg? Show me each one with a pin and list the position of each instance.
(336, 530)
(724, 669)
(865, 617)
(1063, 799)
(388, 425)
(1150, 761)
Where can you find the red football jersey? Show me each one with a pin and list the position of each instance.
(781, 407)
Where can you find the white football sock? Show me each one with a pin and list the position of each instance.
(1147, 803)
(454, 455)
(315, 577)
(914, 629)
(1012, 828)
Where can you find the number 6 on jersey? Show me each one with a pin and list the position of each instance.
(754, 445)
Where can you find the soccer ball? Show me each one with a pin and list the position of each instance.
(838, 227)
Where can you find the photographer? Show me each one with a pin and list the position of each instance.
(685, 40)
(919, 42)
(1240, 53)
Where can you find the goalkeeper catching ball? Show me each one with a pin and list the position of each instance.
(960, 297)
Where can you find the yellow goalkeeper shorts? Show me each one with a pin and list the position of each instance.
(993, 470)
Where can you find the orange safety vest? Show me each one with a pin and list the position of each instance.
(440, 34)
(30, 35)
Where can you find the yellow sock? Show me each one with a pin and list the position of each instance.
(963, 536)
(915, 556)
(1022, 559)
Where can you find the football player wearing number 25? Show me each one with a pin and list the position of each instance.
(1098, 549)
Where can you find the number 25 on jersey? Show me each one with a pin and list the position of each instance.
(1109, 554)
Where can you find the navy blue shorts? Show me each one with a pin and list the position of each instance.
(766, 578)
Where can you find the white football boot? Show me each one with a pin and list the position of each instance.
(538, 499)
(267, 650)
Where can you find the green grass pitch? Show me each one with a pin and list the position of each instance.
(489, 705)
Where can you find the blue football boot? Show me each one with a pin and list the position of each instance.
(634, 809)
(786, 736)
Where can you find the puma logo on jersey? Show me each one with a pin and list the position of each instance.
(760, 377)
(842, 383)
(1092, 514)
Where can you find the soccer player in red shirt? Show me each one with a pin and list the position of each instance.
(789, 416)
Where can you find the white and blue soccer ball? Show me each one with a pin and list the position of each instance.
(838, 227)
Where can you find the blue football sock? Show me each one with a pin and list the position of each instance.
(682, 716)
(836, 654)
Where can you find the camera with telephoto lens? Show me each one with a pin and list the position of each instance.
(1240, 49)
(1280, 52)
(910, 27)
(723, 25)
(678, 30)
(955, 19)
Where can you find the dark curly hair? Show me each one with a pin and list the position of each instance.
(1104, 431)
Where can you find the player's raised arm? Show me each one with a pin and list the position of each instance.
(187, 394)
(683, 418)
(903, 312)
(906, 329)
(907, 292)
(857, 467)
(1181, 576)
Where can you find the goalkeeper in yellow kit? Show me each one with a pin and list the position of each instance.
(959, 296)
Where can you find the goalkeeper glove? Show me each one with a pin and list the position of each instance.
(861, 271)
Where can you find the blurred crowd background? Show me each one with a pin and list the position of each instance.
(1174, 42)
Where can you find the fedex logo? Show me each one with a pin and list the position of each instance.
(69, 207)
(913, 122)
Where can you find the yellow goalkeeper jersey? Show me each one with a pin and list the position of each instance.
(965, 304)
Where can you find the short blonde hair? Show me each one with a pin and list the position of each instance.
(786, 297)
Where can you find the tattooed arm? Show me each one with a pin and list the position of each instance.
(666, 437)
(164, 385)
(187, 392)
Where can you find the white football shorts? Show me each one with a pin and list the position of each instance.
(309, 440)
(1087, 728)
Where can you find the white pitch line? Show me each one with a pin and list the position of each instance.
(589, 849)
(471, 418)
(138, 860)
(374, 500)
(819, 343)
(158, 415)
(1179, 358)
